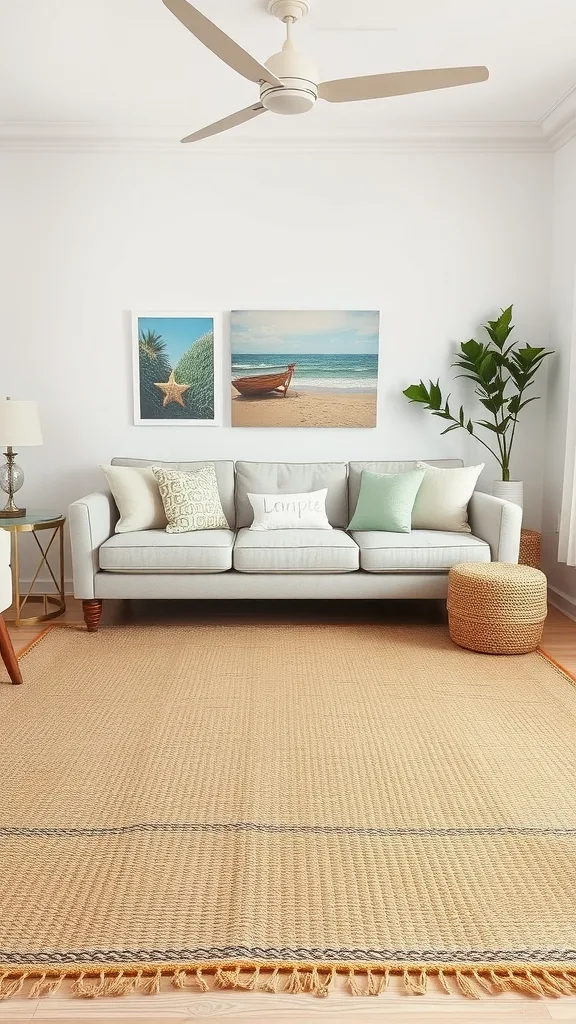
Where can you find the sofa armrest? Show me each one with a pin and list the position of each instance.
(498, 522)
(91, 521)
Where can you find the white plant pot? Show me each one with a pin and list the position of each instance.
(510, 490)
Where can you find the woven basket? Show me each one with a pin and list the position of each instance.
(496, 607)
(530, 544)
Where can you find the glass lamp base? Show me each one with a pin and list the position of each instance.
(11, 480)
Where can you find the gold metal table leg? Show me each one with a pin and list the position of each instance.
(57, 600)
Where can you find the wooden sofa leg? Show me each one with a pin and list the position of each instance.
(92, 611)
(8, 655)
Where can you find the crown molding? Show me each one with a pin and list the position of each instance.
(463, 136)
(558, 125)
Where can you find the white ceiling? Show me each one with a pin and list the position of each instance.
(130, 62)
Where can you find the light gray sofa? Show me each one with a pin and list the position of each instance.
(239, 563)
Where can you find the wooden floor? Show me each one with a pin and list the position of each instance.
(393, 1008)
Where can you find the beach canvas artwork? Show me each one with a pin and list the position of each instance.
(296, 368)
(176, 363)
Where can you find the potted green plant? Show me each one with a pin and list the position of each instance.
(502, 372)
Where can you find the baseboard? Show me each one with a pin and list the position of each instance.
(563, 602)
(46, 587)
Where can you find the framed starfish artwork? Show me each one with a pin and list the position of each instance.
(177, 363)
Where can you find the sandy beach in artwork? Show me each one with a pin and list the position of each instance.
(325, 361)
(305, 408)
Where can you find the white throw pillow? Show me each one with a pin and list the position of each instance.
(290, 511)
(135, 491)
(442, 501)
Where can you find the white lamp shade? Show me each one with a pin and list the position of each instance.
(19, 423)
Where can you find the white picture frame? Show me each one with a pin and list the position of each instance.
(170, 342)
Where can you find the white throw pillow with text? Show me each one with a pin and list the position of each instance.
(290, 511)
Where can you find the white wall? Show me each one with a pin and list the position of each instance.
(562, 578)
(438, 241)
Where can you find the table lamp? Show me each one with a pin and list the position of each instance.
(19, 425)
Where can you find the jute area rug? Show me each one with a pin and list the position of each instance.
(265, 807)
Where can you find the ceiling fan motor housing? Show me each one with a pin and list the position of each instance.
(300, 79)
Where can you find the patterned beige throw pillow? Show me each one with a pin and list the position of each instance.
(191, 500)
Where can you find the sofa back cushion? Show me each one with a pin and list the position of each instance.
(293, 478)
(355, 473)
(224, 476)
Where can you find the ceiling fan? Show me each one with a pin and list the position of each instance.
(289, 81)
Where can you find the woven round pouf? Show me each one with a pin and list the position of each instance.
(496, 607)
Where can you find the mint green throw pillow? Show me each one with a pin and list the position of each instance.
(386, 501)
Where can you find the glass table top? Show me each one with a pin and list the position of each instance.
(32, 517)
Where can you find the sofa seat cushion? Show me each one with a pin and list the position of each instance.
(293, 551)
(418, 551)
(158, 551)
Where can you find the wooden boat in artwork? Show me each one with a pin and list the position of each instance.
(266, 383)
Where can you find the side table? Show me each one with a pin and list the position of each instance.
(36, 522)
(530, 544)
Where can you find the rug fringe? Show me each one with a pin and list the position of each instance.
(472, 981)
(44, 986)
(12, 986)
(416, 984)
(483, 982)
(273, 982)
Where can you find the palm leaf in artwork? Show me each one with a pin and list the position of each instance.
(154, 367)
(152, 344)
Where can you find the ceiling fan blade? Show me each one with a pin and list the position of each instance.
(220, 44)
(399, 83)
(227, 122)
